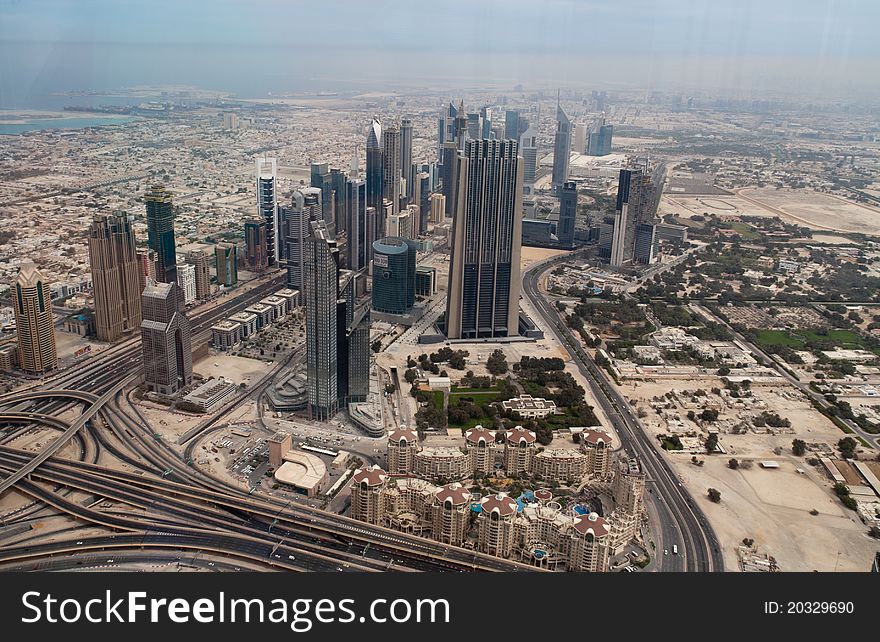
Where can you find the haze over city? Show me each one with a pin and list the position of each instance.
(821, 49)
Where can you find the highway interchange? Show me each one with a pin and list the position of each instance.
(165, 503)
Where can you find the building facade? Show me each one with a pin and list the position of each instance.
(116, 276)
(484, 273)
(267, 207)
(166, 341)
(160, 233)
(34, 321)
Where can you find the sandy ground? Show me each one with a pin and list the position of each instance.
(773, 506)
(533, 254)
(804, 207)
(235, 369)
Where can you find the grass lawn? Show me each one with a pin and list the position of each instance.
(745, 230)
(797, 339)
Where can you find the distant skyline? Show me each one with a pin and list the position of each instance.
(811, 47)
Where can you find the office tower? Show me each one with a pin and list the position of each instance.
(529, 152)
(186, 281)
(338, 181)
(34, 321)
(600, 139)
(446, 128)
(361, 226)
(423, 191)
(375, 165)
(561, 149)
(568, 198)
(646, 238)
(637, 198)
(165, 339)
(353, 343)
(255, 245)
(160, 233)
(117, 278)
(394, 275)
(406, 166)
(484, 272)
(321, 178)
(199, 260)
(486, 122)
(391, 167)
(449, 174)
(399, 225)
(226, 255)
(337, 332)
(579, 144)
(438, 208)
(306, 208)
(461, 126)
(267, 207)
(146, 268)
(320, 295)
(474, 127)
(511, 124)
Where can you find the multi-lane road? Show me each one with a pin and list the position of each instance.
(170, 504)
(678, 521)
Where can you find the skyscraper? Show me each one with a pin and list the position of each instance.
(320, 295)
(160, 233)
(449, 176)
(561, 149)
(529, 151)
(579, 142)
(406, 166)
(637, 197)
(511, 124)
(165, 339)
(34, 321)
(600, 138)
(375, 167)
(226, 255)
(116, 276)
(186, 281)
(267, 206)
(199, 260)
(255, 245)
(484, 272)
(322, 179)
(446, 128)
(338, 180)
(337, 332)
(391, 167)
(567, 214)
(361, 226)
(394, 275)
(306, 208)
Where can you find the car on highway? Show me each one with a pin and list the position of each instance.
(675, 549)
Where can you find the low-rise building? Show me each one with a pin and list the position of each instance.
(277, 304)
(529, 407)
(262, 312)
(248, 323)
(208, 396)
(225, 334)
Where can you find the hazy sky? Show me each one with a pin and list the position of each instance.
(258, 46)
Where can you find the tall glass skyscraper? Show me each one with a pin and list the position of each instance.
(160, 233)
(406, 166)
(375, 166)
(567, 214)
(561, 149)
(267, 206)
(484, 265)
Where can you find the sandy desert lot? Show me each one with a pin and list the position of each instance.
(803, 207)
(773, 506)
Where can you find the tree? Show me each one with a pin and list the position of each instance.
(723, 371)
(496, 364)
(733, 464)
(377, 345)
(711, 442)
(390, 388)
(410, 375)
(847, 447)
(798, 447)
(714, 495)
